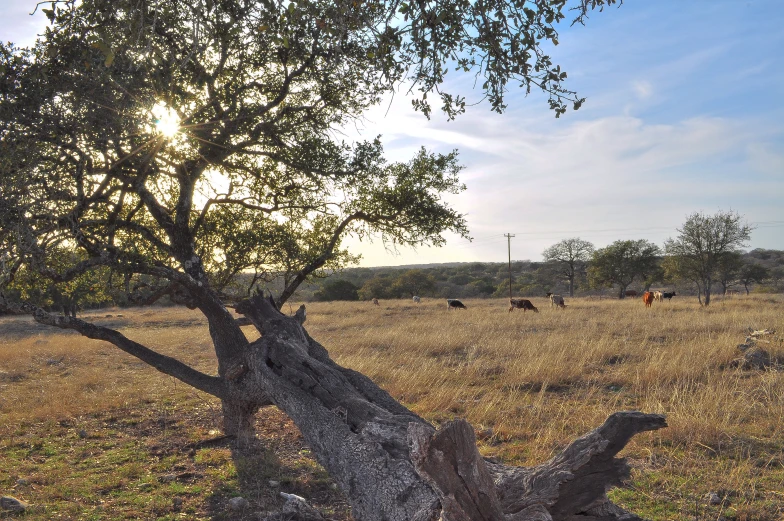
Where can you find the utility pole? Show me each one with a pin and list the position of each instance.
(509, 249)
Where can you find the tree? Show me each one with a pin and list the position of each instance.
(337, 290)
(572, 255)
(191, 142)
(728, 270)
(702, 243)
(622, 262)
(380, 286)
(414, 282)
(751, 272)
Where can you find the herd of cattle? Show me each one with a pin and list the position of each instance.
(556, 301)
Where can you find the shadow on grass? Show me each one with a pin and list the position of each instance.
(277, 461)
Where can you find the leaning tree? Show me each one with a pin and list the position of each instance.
(187, 142)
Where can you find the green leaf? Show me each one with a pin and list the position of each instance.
(107, 51)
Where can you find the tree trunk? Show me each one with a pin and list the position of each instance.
(395, 466)
(708, 284)
(239, 419)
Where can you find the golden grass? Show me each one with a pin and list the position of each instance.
(530, 382)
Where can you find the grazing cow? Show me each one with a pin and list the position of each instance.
(647, 297)
(521, 303)
(375, 301)
(556, 300)
(657, 296)
(417, 299)
(669, 296)
(631, 293)
(454, 303)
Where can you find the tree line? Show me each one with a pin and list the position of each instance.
(704, 258)
(570, 267)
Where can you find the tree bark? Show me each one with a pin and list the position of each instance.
(393, 465)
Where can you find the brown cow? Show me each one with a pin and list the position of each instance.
(647, 297)
(521, 303)
(631, 293)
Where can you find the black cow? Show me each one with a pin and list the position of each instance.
(454, 303)
(521, 303)
(669, 296)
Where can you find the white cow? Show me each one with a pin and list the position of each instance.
(417, 299)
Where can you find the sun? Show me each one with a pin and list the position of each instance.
(167, 122)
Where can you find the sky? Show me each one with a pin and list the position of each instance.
(684, 114)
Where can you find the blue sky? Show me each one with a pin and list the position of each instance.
(684, 113)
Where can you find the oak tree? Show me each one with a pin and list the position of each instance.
(623, 262)
(188, 142)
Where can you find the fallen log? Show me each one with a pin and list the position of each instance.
(393, 465)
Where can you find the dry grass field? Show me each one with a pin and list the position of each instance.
(87, 432)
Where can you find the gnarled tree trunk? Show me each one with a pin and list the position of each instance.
(393, 465)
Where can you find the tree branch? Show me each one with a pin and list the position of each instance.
(171, 366)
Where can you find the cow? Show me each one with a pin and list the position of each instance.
(375, 301)
(521, 303)
(630, 293)
(556, 300)
(647, 297)
(417, 299)
(454, 303)
(657, 296)
(669, 296)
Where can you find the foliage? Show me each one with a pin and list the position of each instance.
(414, 282)
(752, 272)
(337, 290)
(728, 269)
(89, 289)
(573, 256)
(379, 286)
(702, 244)
(622, 262)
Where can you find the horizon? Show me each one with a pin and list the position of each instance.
(681, 117)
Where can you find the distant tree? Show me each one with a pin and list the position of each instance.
(776, 275)
(752, 272)
(728, 269)
(379, 286)
(702, 243)
(572, 255)
(621, 263)
(337, 290)
(654, 274)
(414, 282)
(482, 287)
